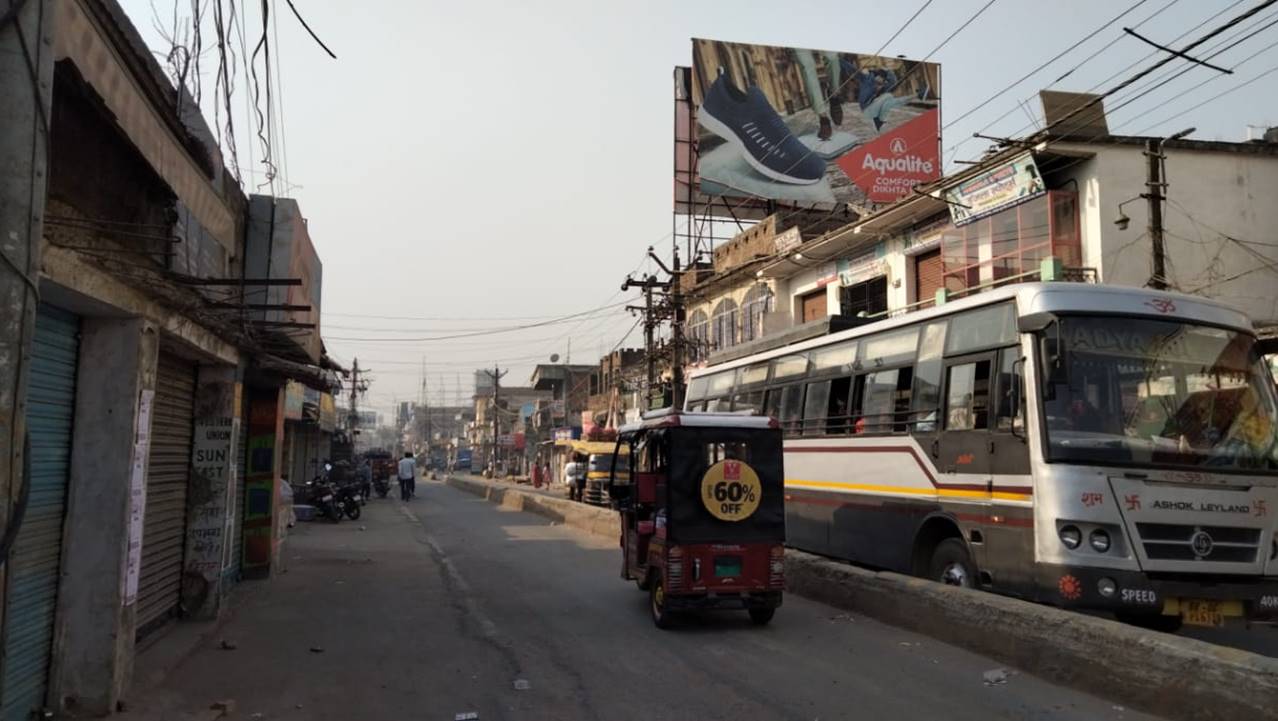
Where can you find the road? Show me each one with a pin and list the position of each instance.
(446, 604)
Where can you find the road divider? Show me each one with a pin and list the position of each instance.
(1180, 678)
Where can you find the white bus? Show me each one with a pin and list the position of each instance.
(1082, 445)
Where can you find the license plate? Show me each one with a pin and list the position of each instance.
(326, 498)
(357, 497)
(1208, 613)
(727, 566)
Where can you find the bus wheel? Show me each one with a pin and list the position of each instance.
(761, 616)
(662, 616)
(952, 564)
(1151, 621)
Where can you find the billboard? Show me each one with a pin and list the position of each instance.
(813, 126)
(1002, 186)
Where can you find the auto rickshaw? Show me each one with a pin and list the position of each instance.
(702, 512)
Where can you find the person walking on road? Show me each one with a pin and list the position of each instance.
(407, 476)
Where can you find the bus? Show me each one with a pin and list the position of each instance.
(1082, 445)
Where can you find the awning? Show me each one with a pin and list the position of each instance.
(593, 447)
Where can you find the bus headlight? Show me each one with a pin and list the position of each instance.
(1071, 536)
(1099, 540)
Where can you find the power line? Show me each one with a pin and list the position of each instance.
(1217, 96)
(494, 331)
(901, 29)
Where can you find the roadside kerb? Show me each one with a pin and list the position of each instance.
(1177, 677)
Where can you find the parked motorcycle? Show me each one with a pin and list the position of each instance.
(324, 497)
(348, 499)
(382, 486)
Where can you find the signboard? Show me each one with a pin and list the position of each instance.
(567, 434)
(862, 267)
(327, 412)
(813, 126)
(789, 240)
(506, 440)
(294, 393)
(730, 490)
(1000, 187)
(137, 496)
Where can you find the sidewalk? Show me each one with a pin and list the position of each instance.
(343, 633)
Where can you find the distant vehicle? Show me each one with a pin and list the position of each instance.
(383, 464)
(1084, 445)
(703, 513)
(598, 471)
(463, 460)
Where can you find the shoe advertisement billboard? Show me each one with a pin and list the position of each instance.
(813, 126)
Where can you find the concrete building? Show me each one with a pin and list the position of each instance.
(151, 389)
(1219, 240)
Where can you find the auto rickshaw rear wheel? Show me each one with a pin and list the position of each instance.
(761, 616)
(662, 616)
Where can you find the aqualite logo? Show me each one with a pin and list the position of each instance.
(903, 164)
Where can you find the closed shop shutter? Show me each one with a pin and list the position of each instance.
(928, 277)
(35, 561)
(164, 529)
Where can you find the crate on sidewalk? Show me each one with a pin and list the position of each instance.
(304, 512)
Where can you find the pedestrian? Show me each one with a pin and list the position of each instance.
(575, 474)
(536, 475)
(407, 476)
(365, 475)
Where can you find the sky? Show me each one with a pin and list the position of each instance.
(469, 166)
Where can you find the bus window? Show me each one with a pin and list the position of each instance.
(697, 388)
(750, 375)
(927, 378)
(1010, 388)
(983, 328)
(791, 407)
(772, 402)
(838, 412)
(835, 357)
(790, 366)
(878, 401)
(751, 401)
(720, 383)
(718, 405)
(967, 396)
(816, 408)
(890, 348)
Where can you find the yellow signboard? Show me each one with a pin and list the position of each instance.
(730, 490)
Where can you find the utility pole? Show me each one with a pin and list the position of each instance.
(357, 386)
(496, 374)
(1153, 154)
(651, 320)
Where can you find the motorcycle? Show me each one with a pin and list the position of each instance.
(382, 486)
(348, 500)
(324, 497)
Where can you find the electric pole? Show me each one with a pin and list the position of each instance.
(357, 386)
(496, 374)
(1156, 182)
(651, 319)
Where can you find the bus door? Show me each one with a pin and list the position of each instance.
(1009, 537)
(962, 451)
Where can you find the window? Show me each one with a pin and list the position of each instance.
(816, 408)
(757, 302)
(1010, 389)
(984, 328)
(752, 401)
(791, 407)
(1012, 242)
(723, 325)
(749, 375)
(839, 411)
(885, 401)
(967, 397)
(716, 452)
(790, 366)
(927, 378)
(719, 384)
(838, 357)
(697, 388)
(650, 454)
(699, 333)
(869, 297)
(890, 348)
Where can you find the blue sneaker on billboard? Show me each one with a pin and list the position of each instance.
(747, 121)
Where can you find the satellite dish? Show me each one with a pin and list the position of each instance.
(554, 357)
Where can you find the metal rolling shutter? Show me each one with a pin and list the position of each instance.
(929, 275)
(164, 528)
(35, 561)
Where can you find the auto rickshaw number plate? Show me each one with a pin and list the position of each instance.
(727, 566)
(730, 490)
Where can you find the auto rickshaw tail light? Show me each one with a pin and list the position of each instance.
(776, 567)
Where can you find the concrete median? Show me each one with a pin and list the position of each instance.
(1176, 677)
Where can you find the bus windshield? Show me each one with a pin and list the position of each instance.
(1130, 391)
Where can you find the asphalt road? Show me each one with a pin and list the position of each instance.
(448, 605)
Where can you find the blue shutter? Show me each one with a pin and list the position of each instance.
(35, 562)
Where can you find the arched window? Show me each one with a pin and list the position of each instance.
(758, 300)
(698, 334)
(723, 324)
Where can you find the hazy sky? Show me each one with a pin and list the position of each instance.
(463, 163)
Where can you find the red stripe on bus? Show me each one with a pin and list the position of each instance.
(898, 508)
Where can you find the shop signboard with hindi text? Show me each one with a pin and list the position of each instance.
(813, 126)
(1000, 187)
